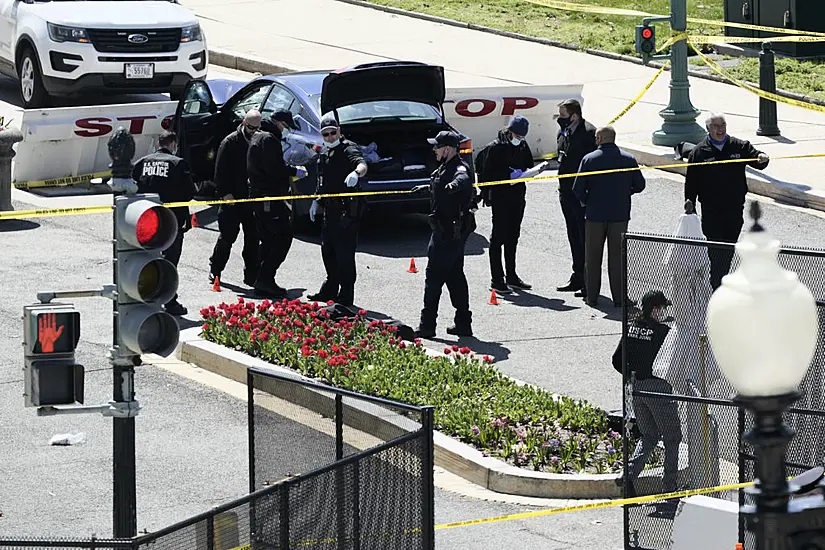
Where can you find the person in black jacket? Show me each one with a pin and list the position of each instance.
(270, 176)
(721, 189)
(231, 181)
(339, 168)
(657, 417)
(452, 222)
(168, 175)
(606, 198)
(576, 138)
(507, 158)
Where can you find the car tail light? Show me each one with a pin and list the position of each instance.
(466, 147)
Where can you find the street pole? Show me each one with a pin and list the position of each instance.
(680, 115)
(124, 506)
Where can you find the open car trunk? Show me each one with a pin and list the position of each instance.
(398, 157)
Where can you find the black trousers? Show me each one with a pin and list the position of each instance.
(230, 220)
(508, 212)
(723, 228)
(172, 254)
(275, 233)
(573, 213)
(445, 265)
(339, 239)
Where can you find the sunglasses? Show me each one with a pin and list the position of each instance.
(329, 133)
(253, 128)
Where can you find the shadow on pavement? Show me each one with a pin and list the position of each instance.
(528, 299)
(479, 347)
(17, 225)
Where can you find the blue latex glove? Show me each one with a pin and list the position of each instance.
(352, 179)
(515, 174)
(313, 210)
(301, 172)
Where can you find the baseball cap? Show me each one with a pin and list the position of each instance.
(328, 122)
(282, 115)
(654, 298)
(445, 138)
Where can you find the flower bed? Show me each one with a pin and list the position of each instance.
(474, 402)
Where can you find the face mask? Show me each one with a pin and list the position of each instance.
(332, 144)
(284, 132)
(515, 141)
(658, 314)
(564, 122)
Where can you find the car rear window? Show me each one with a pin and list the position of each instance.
(377, 110)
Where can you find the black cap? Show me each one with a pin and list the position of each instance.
(654, 298)
(328, 122)
(282, 115)
(445, 137)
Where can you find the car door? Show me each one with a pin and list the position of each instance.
(195, 125)
(8, 19)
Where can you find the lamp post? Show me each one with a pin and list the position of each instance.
(762, 325)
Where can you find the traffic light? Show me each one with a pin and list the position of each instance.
(145, 280)
(50, 335)
(645, 40)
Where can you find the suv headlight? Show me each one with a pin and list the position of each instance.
(59, 33)
(190, 34)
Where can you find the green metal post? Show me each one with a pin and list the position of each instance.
(680, 115)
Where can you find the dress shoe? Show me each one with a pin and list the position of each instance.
(460, 331)
(500, 287)
(571, 286)
(516, 282)
(269, 290)
(175, 308)
(425, 332)
(320, 297)
(582, 293)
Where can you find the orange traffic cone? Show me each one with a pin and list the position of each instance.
(493, 299)
(216, 286)
(195, 221)
(739, 546)
(412, 268)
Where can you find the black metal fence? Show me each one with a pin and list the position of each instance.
(329, 469)
(706, 426)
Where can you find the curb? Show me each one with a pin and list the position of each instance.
(783, 192)
(458, 458)
(557, 44)
(247, 64)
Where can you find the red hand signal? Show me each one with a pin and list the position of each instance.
(647, 33)
(48, 332)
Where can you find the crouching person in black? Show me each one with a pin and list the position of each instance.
(657, 418)
(339, 168)
(451, 198)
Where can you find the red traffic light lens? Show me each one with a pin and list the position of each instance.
(647, 33)
(147, 227)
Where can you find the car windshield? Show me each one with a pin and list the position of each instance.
(377, 110)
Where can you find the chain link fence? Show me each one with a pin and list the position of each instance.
(695, 405)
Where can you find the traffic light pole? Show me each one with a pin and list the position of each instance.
(680, 115)
(124, 505)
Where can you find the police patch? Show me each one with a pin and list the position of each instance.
(461, 168)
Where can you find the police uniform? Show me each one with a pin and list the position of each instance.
(721, 189)
(269, 176)
(169, 176)
(452, 222)
(657, 418)
(341, 222)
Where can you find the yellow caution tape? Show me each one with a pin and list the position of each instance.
(779, 30)
(753, 89)
(639, 95)
(702, 39)
(54, 212)
(60, 182)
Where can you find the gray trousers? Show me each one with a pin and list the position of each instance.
(658, 420)
(595, 235)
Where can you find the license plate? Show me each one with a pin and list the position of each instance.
(139, 70)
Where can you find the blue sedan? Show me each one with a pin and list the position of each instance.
(388, 109)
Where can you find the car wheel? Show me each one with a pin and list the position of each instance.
(32, 92)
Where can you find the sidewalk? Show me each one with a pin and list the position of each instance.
(327, 34)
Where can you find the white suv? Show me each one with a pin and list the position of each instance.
(81, 47)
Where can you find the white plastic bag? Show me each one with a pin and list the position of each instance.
(68, 439)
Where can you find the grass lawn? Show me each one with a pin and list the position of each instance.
(608, 32)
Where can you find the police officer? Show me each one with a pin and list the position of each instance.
(575, 139)
(657, 418)
(340, 166)
(231, 180)
(451, 220)
(508, 157)
(168, 175)
(270, 176)
(721, 189)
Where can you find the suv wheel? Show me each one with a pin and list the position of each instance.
(32, 91)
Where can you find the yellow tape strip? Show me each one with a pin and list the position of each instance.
(779, 30)
(636, 99)
(703, 39)
(59, 182)
(753, 89)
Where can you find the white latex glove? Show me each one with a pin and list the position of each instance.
(352, 179)
(300, 172)
(313, 210)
